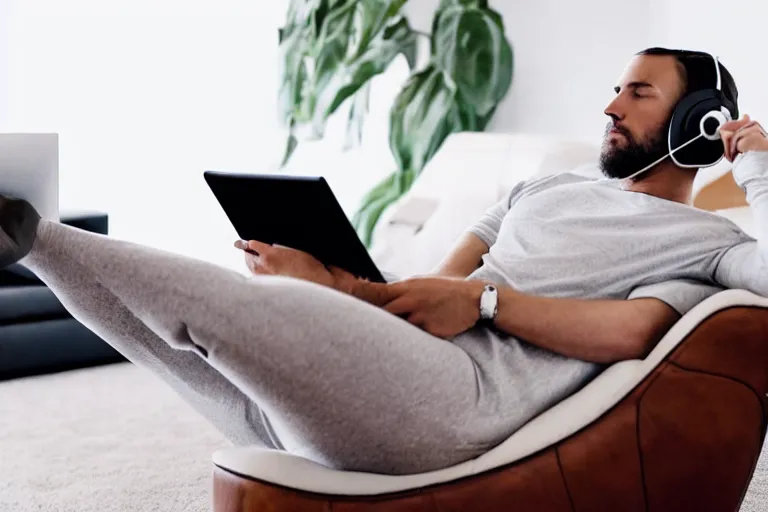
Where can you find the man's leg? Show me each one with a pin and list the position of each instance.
(201, 385)
(342, 382)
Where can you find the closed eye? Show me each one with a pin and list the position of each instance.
(636, 86)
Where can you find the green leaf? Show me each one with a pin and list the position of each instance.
(293, 74)
(370, 17)
(300, 13)
(395, 6)
(469, 119)
(424, 113)
(395, 39)
(361, 219)
(290, 146)
(402, 36)
(357, 113)
(389, 190)
(469, 44)
(329, 54)
(477, 4)
(321, 12)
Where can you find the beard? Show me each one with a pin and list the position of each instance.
(622, 162)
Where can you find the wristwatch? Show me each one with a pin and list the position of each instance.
(489, 302)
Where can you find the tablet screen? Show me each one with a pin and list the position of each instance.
(295, 211)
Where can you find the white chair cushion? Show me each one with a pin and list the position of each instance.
(557, 423)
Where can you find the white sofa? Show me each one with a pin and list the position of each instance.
(469, 174)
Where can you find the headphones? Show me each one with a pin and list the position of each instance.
(694, 129)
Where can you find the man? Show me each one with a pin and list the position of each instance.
(655, 80)
(312, 360)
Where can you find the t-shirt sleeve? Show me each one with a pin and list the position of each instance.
(745, 265)
(680, 294)
(487, 228)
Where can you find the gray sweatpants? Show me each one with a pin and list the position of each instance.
(275, 361)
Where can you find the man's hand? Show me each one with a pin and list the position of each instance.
(266, 259)
(741, 136)
(442, 306)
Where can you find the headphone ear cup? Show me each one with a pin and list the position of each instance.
(686, 124)
(710, 124)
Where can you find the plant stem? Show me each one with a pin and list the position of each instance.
(420, 33)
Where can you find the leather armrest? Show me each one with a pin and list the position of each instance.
(88, 220)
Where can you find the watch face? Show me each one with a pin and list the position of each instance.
(488, 302)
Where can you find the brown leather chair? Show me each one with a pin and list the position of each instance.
(681, 430)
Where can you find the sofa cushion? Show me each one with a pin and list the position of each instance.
(17, 274)
(29, 303)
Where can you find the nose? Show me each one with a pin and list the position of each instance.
(614, 110)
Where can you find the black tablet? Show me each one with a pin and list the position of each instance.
(295, 211)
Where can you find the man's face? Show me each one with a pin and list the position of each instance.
(646, 95)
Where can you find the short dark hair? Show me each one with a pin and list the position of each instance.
(700, 73)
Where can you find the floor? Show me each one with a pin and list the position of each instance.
(116, 439)
(109, 439)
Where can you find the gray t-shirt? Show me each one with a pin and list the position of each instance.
(572, 236)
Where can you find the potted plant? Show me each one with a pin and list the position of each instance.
(330, 50)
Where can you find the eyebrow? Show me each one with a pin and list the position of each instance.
(634, 85)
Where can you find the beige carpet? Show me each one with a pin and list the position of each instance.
(117, 439)
(109, 439)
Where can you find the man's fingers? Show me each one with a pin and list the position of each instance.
(417, 319)
(726, 136)
(261, 271)
(401, 305)
(736, 124)
(729, 130)
(742, 136)
(733, 145)
(259, 247)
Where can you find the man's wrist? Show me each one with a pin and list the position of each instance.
(475, 291)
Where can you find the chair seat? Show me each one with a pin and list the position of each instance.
(569, 416)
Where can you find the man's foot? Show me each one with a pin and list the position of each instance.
(18, 227)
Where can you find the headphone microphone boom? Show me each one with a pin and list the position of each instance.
(699, 115)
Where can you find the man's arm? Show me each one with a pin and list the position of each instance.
(745, 266)
(464, 258)
(602, 331)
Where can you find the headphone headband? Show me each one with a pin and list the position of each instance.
(717, 70)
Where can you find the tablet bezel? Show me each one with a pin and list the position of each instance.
(312, 220)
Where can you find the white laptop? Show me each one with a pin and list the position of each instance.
(29, 169)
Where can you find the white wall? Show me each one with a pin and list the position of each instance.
(5, 23)
(568, 56)
(147, 94)
(735, 34)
